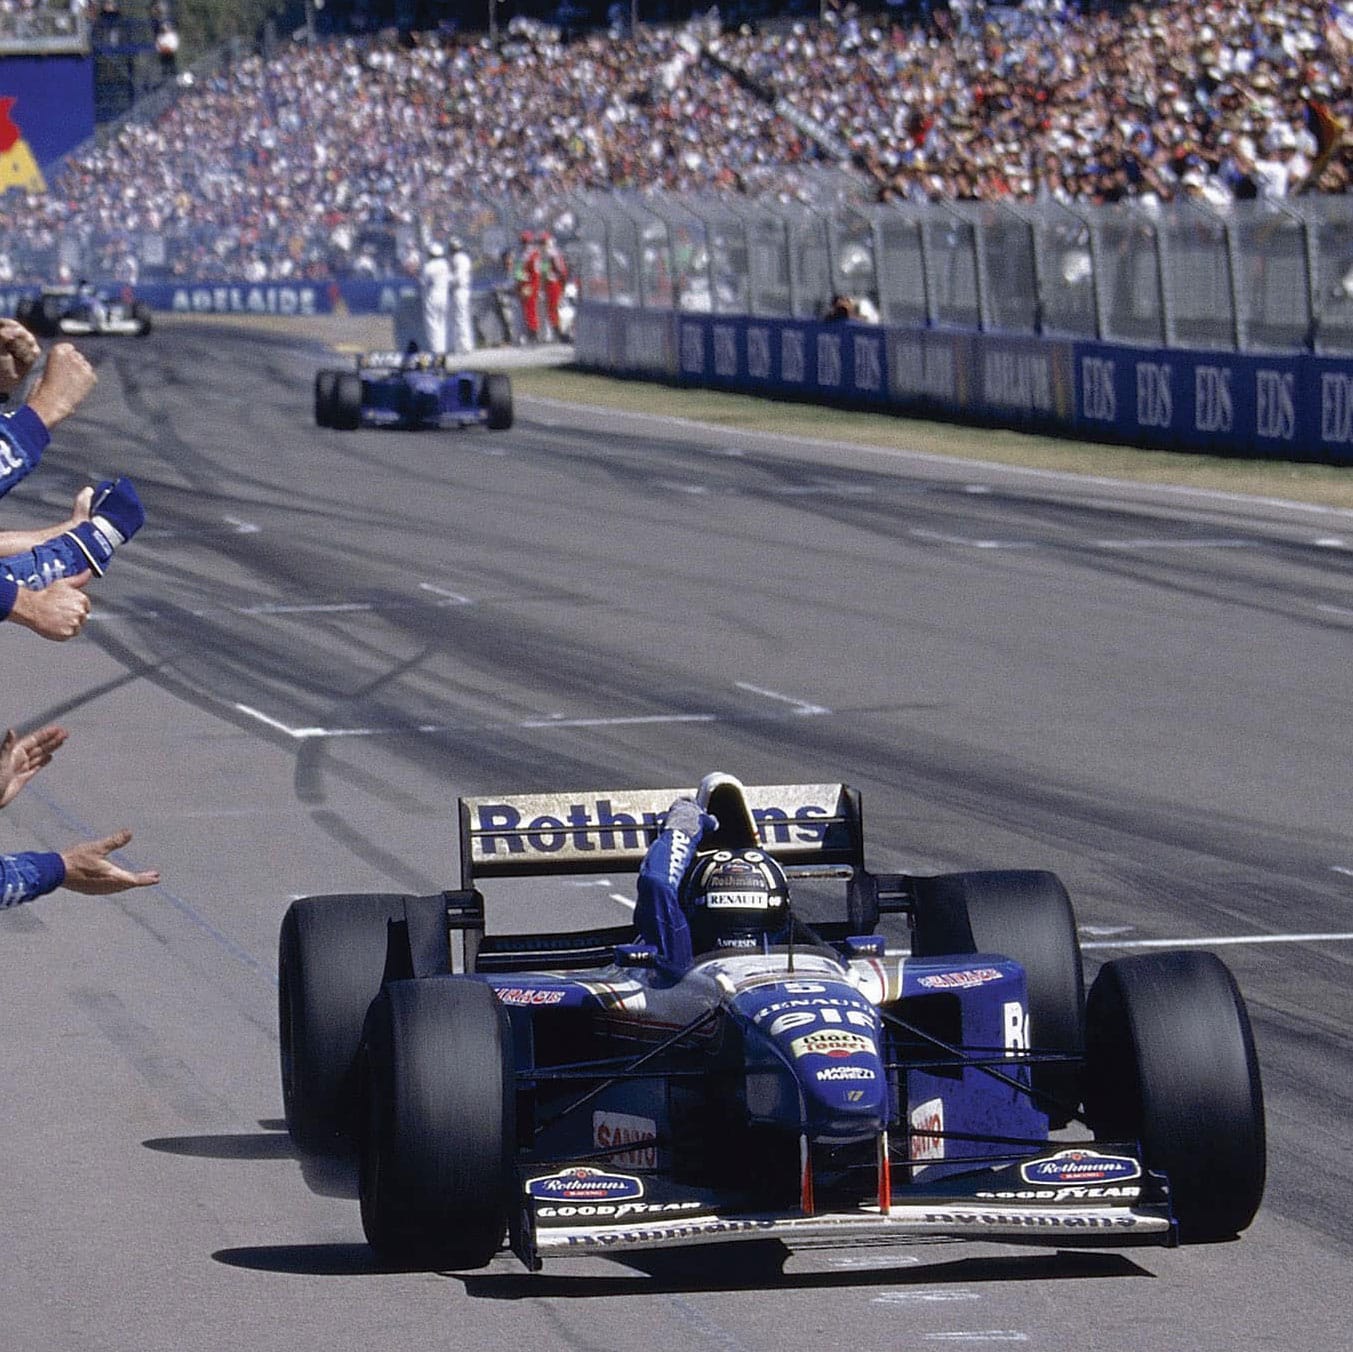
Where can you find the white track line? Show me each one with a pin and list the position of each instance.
(1223, 940)
(800, 706)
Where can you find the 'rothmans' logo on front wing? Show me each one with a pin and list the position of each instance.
(582, 1184)
(1080, 1166)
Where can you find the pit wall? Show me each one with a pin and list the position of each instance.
(1292, 406)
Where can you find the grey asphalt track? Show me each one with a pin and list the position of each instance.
(320, 639)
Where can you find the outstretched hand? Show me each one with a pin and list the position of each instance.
(19, 352)
(89, 870)
(22, 757)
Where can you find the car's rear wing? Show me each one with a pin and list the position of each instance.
(407, 361)
(607, 830)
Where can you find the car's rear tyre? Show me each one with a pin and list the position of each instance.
(24, 311)
(141, 314)
(346, 409)
(330, 961)
(1170, 1062)
(325, 382)
(43, 318)
(496, 398)
(1025, 915)
(438, 1139)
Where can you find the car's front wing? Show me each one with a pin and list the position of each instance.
(581, 1210)
(1108, 1226)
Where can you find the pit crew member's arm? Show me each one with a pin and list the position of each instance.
(115, 516)
(658, 913)
(58, 612)
(83, 868)
(24, 434)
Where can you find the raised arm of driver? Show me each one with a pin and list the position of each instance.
(22, 757)
(65, 380)
(657, 912)
(89, 869)
(58, 612)
(19, 352)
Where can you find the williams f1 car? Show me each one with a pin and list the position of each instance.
(566, 1093)
(80, 312)
(411, 390)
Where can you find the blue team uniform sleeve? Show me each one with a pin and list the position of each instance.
(62, 556)
(657, 911)
(23, 438)
(25, 876)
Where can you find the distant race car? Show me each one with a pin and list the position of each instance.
(565, 1093)
(81, 312)
(411, 390)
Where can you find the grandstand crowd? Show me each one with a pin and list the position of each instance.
(324, 160)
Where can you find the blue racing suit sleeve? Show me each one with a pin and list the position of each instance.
(23, 438)
(657, 912)
(25, 876)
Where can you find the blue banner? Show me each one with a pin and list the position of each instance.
(1292, 406)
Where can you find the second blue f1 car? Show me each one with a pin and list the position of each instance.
(569, 1092)
(411, 390)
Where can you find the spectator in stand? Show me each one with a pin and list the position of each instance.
(285, 159)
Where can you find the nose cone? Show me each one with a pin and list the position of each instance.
(844, 1085)
(827, 1034)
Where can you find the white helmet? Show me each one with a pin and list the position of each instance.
(436, 250)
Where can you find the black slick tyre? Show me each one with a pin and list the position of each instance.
(1170, 1062)
(325, 382)
(1025, 915)
(346, 408)
(330, 961)
(496, 398)
(141, 314)
(438, 1139)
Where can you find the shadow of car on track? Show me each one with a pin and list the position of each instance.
(681, 1271)
(325, 1177)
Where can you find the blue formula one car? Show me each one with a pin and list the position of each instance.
(411, 390)
(84, 311)
(566, 1093)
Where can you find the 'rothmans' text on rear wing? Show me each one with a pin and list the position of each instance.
(610, 829)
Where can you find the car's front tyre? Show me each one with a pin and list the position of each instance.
(346, 408)
(438, 1137)
(325, 382)
(496, 397)
(1170, 1062)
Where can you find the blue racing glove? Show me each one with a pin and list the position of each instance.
(115, 516)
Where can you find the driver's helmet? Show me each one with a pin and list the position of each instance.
(736, 899)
